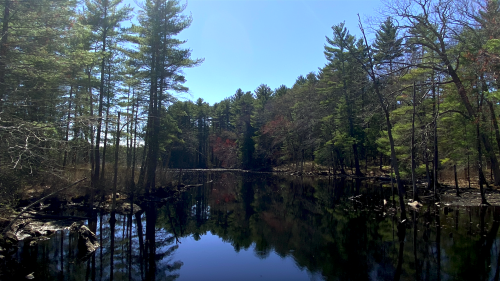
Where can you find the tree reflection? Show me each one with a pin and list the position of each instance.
(333, 227)
(314, 222)
(401, 238)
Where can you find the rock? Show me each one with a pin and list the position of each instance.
(41, 232)
(22, 235)
(87, 241)
(33, 243)
(29, 230)
(75, 226)
(9, 242)
(125, 208)
(10, 238)
(415, 205)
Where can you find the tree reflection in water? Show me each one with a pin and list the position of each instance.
(329, 229)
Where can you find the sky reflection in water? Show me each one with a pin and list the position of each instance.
(210, 258)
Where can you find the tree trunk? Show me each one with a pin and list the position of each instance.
(484, 138)
(153, 127)
(117, 148)
(395, 165)
(351, 122)
(480, 170)
(380, 161)
(129, 129)
(495, 123)
(144, 164)
(479, 159)
(435, 165)
(108, 105)
(67, 125)
(341, 162)
(92, 159)
(132, 174)
(468, 157)
(104, 148)
(76, 128)
(369, 68)
(3, 50)
(415, 194)
(96, 178)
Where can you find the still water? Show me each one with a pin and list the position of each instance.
(243, 226)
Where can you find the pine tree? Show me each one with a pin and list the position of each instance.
(338, 57)
(33, 64)
(387, 46)
(104, 17)
(161, 60)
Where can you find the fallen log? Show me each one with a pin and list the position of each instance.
(54, 217)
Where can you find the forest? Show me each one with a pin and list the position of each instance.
(415, 95)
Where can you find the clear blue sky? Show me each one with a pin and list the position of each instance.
(246, 43)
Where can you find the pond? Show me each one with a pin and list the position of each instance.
(244, 226)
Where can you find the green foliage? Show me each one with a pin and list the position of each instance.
(493, 46)
(387, 45)
(59, 66)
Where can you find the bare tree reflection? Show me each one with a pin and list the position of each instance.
(401, 238)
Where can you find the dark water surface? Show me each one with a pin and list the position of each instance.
(242, 226)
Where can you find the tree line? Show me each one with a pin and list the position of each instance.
(70, 69)
(419, 97)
